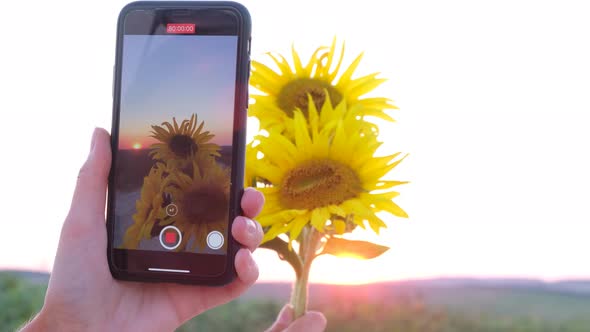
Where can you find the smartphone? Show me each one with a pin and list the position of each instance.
(180, 97)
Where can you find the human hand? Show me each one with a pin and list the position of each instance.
(311, 321)
(83, 296)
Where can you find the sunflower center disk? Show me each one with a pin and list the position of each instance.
(295, 95)
(319, 183)
(204, 205)
(182, 145)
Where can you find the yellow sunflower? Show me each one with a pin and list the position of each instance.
(148, 208)
(202, 201)
(327, 119)
(288, 90)
(324, 177)
(181, 144)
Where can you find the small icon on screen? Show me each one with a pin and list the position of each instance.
(180, 28)
(171, 210)
(215, 240)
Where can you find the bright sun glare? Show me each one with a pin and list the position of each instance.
(136, 146)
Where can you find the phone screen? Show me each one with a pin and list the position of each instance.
(172, 174)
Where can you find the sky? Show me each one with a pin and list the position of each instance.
(494, 114)
(177, 76)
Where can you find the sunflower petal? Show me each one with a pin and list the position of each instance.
(345, 78)
(160, 133)
(337, 210)
(378, 114)
(333, 74)
(339, 226)
(330, 55)
(379, 167)
(377, 103)
(376, 223)
(283, 65)
(265, 79)
(274, 231)
(298, 223)
(176, 128)
(278, 218)
(365, 88)
(380, 185)
(169, 127)
(319, 217)
(302, 139)
(314, 60)
(297, 62)
(360, 82)
(391, 207)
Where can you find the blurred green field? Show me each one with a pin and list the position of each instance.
(426, 306)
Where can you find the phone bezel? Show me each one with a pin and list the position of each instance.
(205, 268)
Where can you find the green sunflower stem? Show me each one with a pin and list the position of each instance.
(310, 242)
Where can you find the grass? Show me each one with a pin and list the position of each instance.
(455, 309)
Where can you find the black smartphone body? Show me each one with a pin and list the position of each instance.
(180, 97)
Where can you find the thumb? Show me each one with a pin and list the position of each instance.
(90, 194)
(284, 318)
(311, 321)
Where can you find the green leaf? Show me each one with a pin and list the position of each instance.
(354, 249)
(282, 249)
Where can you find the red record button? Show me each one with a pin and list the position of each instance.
(170, 237)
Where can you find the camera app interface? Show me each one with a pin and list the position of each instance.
(172, 168)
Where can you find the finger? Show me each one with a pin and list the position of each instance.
(252, 202)
(247, 231)
(90, 194)
(246, 268)
(284, 318)
(312, 321)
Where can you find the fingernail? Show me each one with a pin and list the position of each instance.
(93, 140)
(255, 271)
(260, 198)
(252, 270)
(250, 227)
(286, 314)
(254, 190)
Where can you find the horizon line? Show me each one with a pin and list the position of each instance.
(390, 281)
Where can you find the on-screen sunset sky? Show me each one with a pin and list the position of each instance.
(176, 76)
